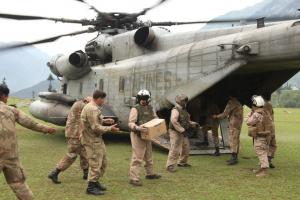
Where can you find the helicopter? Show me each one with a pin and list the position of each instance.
(207, 66)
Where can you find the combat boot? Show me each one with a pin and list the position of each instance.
(54, 176)
(271, 165)
(93, 189)
(234, 159)
(101, 187)
(217, 152)
(171, 169)
(135, 182)
(153, 176)
(85, 174)
(183, 165)
(262, 172)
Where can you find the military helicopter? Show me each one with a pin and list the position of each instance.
(208, 66)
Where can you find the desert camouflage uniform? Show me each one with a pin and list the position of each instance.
(92, 131)
(9, 156)
(212, 124)
(260, 132)
(180, 145)
(272, 142)
(141, 149)
(72, 133)
(234, 112)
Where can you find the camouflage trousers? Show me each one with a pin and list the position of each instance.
(141, 151)
(74, 148)
(261, 148)
(180, 149)
(234, 139)
(215, 134)
(15, 178)
(272, 146)
(96, 154)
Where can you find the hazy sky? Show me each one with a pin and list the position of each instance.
(174, 10)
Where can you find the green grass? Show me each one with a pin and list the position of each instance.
(209, 178)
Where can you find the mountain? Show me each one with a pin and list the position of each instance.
(23, 67)
(40, 87)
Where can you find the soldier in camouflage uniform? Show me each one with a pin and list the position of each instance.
(179, 125)
(234, 112)
(141, 149)
(260, 126)
(72, 133)
(9, 156)
(92, 131)
(272, 142)
(213, 125)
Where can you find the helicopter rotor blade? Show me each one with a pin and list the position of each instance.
(91, 7)
(51, 39)
(143, 12)
(251, 20)
(30, 17)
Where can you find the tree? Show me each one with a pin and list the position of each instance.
(50, 79)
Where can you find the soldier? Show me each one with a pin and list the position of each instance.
(72, 133)
(92, 131)
(260, 126)
(234, 112)
(9, 156)
(272, 142)
(178, 127)
(213, 125)
(141, 149)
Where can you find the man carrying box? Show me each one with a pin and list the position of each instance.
(179, 124)
(141, 149)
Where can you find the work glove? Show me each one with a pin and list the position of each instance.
(141, 129)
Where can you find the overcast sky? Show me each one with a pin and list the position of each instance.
(174, 10)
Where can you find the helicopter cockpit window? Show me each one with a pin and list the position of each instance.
(121, 84)
(101, 85)
(296, 24)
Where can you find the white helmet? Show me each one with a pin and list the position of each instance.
(258, 101)
(143, 95)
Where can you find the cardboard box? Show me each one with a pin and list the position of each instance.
(156, 128)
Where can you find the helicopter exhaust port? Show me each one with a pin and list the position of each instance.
(144, 36)
(72, 67)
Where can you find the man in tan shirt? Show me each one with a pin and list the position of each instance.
(72, 133)
(9, 156)
(141, 149)
(178, 128)
(92, 131)
(234, 112)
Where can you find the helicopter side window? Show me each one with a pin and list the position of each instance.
(121, 84)
(101, 85)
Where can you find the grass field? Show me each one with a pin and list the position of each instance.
(209, 178)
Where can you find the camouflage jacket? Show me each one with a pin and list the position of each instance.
(234, 112)
(259, 123)
(269, 109)
(9, 116)
(73, 129)
(91, 122)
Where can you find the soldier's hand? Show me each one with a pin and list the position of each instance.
(108, 121)
(185, 133)
(215, 116)
(114, 128)
(141, 129)
(51, 131)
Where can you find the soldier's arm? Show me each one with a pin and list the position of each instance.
(229, 107)
(133, 116)
(174, 121)
(27, 122)
(254, 119)
(94, 120)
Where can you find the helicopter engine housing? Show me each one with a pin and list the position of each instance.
(100, 48)
(144, 36)
(73, 66)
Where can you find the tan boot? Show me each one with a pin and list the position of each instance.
(171, 169)
(262, 172)
(135, 182)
